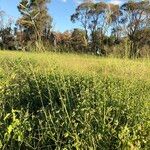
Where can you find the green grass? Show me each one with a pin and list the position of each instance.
(67, 101)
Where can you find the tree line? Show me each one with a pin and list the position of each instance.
(106, 29)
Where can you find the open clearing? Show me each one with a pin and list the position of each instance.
(124, 68)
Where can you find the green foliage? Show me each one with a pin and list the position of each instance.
(65, 108)
(134, 19)
(78, 40)
(7, 38)
(130, 20)
(35, 22)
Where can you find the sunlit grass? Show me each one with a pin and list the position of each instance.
(138, 69)
(67, 101)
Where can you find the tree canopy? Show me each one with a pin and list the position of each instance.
(102, 25)
(35, 18)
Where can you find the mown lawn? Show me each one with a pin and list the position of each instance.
(68, 101)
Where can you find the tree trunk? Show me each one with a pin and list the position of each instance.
(133, 50)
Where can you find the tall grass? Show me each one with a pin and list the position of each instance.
(66, 101)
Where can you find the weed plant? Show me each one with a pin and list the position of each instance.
(66, 102)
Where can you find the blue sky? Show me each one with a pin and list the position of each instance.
(60, 10)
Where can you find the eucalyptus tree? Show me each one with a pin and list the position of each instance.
(103, 15)
(35, 19)
(78, 40)
(7, 39)
(96, 18)
(135, 17)
(82, 15)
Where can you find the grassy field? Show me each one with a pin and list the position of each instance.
(67, 101)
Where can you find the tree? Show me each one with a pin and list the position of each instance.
(96, 43)
(143, 37)
(35, 21)
(64, 38)
(82, 15)
(96, 18)
(102, 17)
(7, 39)
(78, 40)
(135, 17)
(60, 39)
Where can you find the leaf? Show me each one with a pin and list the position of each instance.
(9, 129)
(1, 145)
(7, 116)
(66, 134)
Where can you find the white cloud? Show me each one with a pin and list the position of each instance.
(116, 2)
